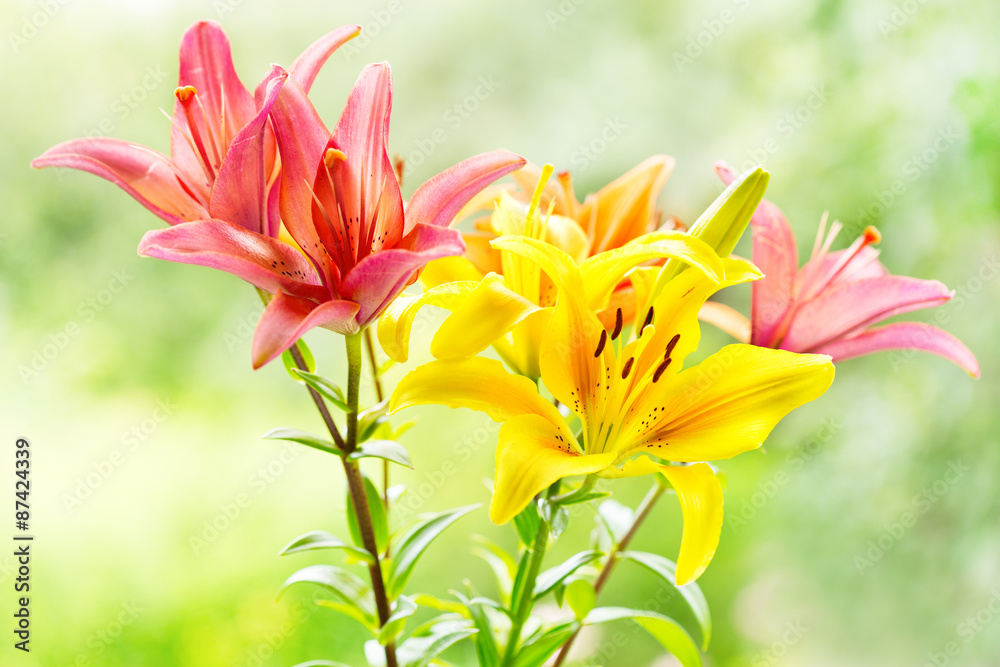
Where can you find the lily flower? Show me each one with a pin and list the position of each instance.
(212, 111)
(828, 306)
(509, 307)
(636, 408)
(351, 248)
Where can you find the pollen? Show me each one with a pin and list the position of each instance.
(659, 369)
(332, 156)
(628, 367)
(601, 344)
(185, 93)
(618, 324)
(647, 321)
(872, 235)
(671, 345)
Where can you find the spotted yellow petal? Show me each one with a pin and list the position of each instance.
(486, 314)
(532, 453)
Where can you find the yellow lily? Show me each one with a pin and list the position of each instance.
(636, 408)
(510, 306)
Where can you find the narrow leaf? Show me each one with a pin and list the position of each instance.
(349, 587)
(303, 438)
(581, 597)
(552, 577)
(536, 650)
(320, 539)
(666, 631)
(665, 569)
(413, 544)
(426, 649)
(405, 608)
(389, 450)
(326, 387)
(380, 525)
(292, 367)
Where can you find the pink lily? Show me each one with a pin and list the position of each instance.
(828, 306)
(212, 113)
(356, 248)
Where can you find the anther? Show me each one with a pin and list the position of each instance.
(185, 93)
(628, 367)
(332, 156)
(671, 345)
(659, 369)
(647, 321)
(618, 324)
(601, 344)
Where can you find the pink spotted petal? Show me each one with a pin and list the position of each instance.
(308, 64)
(206, 62)
(905, 336)
(380, 277)
(775, 254)
(288, 318)
(366, 181)
(844, 309)
(240, 192)
(262, 261)
(144, 174)
(439, 200)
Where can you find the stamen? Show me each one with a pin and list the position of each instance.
(628, 367)
(647, 321)
(671, 345)
(659, 369)
(332, 156)
(601, 344)
(187, 95)
(618, 324)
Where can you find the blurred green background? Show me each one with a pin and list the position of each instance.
(131, 377)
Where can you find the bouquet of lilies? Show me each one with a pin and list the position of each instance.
(592, 310)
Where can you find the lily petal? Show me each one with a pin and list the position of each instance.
(624, 209)
(490, 311)
(700, 496)
(311, 61)
(240, 192)
(380, 277)
(144, 174)
(448, 270)
(287, 318)
(846, 308)
(531, 455)
(395, 323)
(263, 262)
(479, 384)
(905, 336)
(775, 254)
(730, 402)
(727, 319)
(439, 200)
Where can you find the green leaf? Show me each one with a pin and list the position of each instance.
(321, 663)
(585, 498)
(722, 224)
(552, 577)
(539, 648)
(666, 631)
(380, 525)
(421, 651)
(389, 450)
(526, 524)
(320, 539)
(292, 367)
(327, 388)
(581, 597)
(413, 544)
(346, 585)
(433, 602)
(665, 569)
(405, 607)
(487, 652)
(303, 438)
(502, 563)
(351, 611)
(370, 419)
(617, 519)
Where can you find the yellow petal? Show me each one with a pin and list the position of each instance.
(475, 383)
(486, 314)
(730, 402)
(565, 234)
(559, 266)
(626, 208)
(532, 453)
(395, 323)
(726, 318)
(449, 270)
(700, 496)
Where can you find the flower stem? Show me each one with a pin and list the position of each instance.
(355, 482)
(379, 396)
(522, 608)
(642, 512)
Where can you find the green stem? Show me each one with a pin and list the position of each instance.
(354, 363)
(522, 607)
(642, 512)
(379, 396)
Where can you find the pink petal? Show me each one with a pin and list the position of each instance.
(240, 191)
(905, 336)
(843, 309)
(370, 198)
(864, 265)
(302, 139)
(308, 64)
(206, 62)
(380, 277)
(775, 254)
(288, 318)
(144, 174)
(260, 260)
(439, 200)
